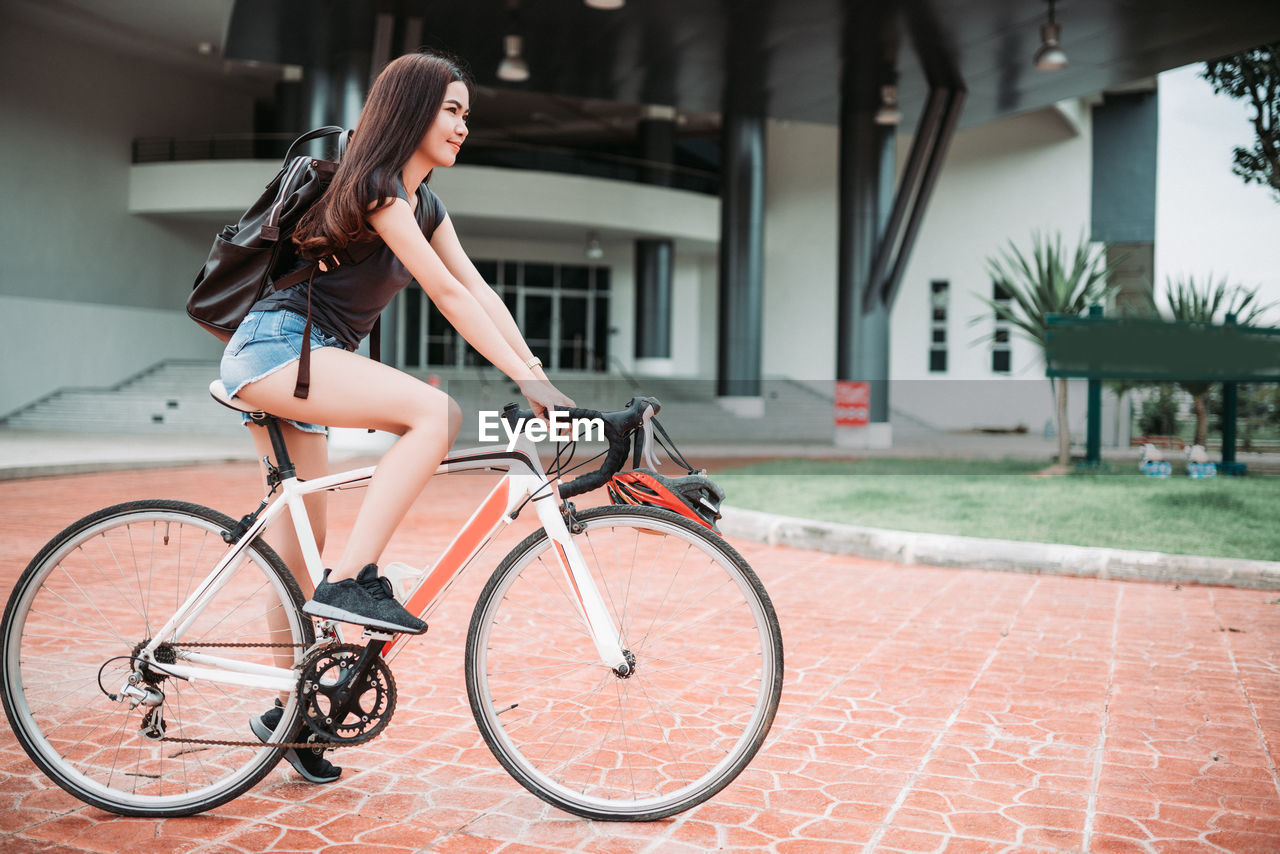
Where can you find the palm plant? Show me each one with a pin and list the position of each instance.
(1052, 280)
(1206, 301)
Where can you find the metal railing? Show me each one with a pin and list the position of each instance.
(479, 151)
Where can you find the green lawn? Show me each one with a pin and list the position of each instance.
(1223, 517)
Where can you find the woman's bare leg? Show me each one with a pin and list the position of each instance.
(310, 455)
(348, 390)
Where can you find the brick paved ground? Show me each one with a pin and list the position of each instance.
(924, 710)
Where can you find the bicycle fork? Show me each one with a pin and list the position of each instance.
(586, 593)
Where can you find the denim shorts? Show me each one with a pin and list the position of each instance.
(265, 342)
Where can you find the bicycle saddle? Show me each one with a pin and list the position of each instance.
(219, 393)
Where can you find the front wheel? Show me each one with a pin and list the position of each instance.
(697, 704)
(84, 607)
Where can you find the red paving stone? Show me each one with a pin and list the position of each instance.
(925, 710)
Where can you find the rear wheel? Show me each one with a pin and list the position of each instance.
(90, 601)
(700, 698)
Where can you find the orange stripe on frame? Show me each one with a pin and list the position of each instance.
(470, 538)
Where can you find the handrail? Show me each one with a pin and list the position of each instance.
(480, 151)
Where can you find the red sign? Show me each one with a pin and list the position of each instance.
(853, 403)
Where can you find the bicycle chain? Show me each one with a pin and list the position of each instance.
(185, 644)
(217, 742)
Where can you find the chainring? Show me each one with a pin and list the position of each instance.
(323, 682)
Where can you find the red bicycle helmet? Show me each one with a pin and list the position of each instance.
(693, 496)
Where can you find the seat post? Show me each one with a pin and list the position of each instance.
(284, 465)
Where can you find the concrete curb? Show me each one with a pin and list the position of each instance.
(946, 550)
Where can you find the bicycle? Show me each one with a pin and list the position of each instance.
(621, 663)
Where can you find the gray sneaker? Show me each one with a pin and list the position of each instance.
(365, 600)
(311, 764)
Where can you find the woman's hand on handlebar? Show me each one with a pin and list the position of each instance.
(542, 395)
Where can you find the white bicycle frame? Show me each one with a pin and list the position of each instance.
(525, 480)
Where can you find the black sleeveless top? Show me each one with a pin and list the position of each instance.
(345, 301)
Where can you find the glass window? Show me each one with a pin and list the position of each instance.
(537, 317)
(601, 360)
(1002, 335)
(436, 351)
(1000, 361)
(539, 276)
(562, 310)
(939, 336)
(575, 278)
(574, 335)
(436, 324)
(488, 271)
(937, 361)
(412, 327)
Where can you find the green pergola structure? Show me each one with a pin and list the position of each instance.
(1099, 348)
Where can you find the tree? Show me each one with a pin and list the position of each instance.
(1254, 76)
(1051, 281)
(1209, 302)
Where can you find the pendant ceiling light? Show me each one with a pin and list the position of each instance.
(513, 68)
(606, 4)
(593, 249)
(1050, 56)
(888, 113)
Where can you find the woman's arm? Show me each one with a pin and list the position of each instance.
(397, 226)
(446, 244)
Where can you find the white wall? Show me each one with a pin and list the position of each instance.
(71, 113)
(1000, 182)
(52, 344)
(88, 292)
(491, 193)
(801, 220)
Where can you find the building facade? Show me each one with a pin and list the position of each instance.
(97, 252)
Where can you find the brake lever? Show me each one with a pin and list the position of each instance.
(648, 456)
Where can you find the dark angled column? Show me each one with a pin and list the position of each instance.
(866, 183)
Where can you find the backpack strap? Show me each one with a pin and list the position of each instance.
(303, 387)
(305, 273)
(327, 130)
(343, 257)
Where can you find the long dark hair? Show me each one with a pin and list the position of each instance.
(403, 103)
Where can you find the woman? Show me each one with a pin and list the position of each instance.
(415, 119)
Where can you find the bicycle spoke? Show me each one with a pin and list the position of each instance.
(127, 571)
(676, 728)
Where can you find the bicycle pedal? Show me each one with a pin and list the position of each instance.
(377, 634)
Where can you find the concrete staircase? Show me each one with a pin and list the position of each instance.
(168, 398)
(172, 398)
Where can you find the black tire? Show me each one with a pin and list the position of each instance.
(83, 606)
(703, 692)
